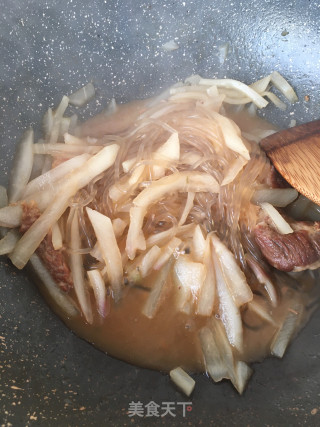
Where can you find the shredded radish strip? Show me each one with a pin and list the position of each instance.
(63, 301)
(280, 223)
(99, 289)
(55, 120)
(8, 242)
(283, 86)
(187, 208)
(182, 380)
(238, 86)
(76, 180)
(65, 149)
(82, 96)
(109, 248)
(10, 216)
(46, 180)
(22, 167)
(76, 265)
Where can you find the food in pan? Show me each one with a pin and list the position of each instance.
(159, 231)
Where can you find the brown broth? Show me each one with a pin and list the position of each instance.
(170, 338)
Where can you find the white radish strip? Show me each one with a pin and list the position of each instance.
(99, 290)
(119, 225)
(257, 307)
(77, 271)
(192, 88)
(57, 117)
(3, 197)
(229, 312)
(224, 348)
(187, 96)
(280, 223)
(283, 86)
(198, 243)
(279, 197)
(261, 85)
(242, 374)
(287, 330)
(43, 198)
(182, 182)
(73, 123)
(103, 229)
(136, 175)
(234, 277)
(236, 101)
(190, 158)
(83, 95)
(135, 237)
(208, 290)
(10, 216)
(234, 169)
(116, 191)
(128, 164)
(48, 123)
(189, 277)
(238, 86)
(162, 238)
(231, 135)
(74, 182)
(187, 208)
(262, 278)
(46, 180)
(8, 242)
(277, 102)
(65, 149)
(155, 297)
(169, 151)
(96, 252)
(56, 237)
(64, 126)
(215, 364)
(73, 140)
(149, 260)
(22, 167)
(182, 380)
(63, 301)
(172, 246)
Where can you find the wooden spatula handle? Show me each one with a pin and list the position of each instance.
(295, 153)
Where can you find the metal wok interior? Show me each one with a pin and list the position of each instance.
(49, 376)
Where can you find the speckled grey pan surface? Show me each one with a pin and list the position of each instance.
(49, 377)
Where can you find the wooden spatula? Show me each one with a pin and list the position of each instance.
(295, 153)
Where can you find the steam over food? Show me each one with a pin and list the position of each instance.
(158, 229)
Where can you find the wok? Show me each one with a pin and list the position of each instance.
(50, 377)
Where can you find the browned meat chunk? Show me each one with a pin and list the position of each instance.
(54, 260)
(287, 252)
